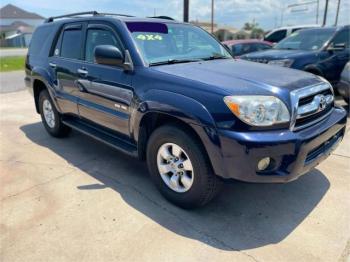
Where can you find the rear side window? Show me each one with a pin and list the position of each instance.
(71, 44)
(276, 36)
(40, 36)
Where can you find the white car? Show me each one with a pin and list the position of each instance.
(278, 34)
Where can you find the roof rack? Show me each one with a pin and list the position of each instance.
(162, 17)
(93, 13)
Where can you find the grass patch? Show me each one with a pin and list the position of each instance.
(11, 63)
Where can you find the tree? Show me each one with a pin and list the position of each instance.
(254, 29)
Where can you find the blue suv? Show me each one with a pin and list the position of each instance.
(171, 94)
(321, 51)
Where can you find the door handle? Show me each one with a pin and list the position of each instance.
(52, 65)
(82, 71)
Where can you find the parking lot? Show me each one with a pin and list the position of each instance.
(76, 199)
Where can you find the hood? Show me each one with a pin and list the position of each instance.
(240, 77)
(273, 54)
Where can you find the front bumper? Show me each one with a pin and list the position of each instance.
(293, 153)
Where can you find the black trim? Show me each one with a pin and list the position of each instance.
(102, 135)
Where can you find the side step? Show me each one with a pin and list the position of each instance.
(102, 136)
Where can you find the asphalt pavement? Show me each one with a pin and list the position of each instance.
(13, 52)
(75, 199)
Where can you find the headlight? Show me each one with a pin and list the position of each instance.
(258, 110)
(283, 62)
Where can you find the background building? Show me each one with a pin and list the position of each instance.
(17, 26)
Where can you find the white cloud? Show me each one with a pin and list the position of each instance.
(230, 12)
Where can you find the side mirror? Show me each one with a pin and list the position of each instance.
(337, 47)
(108, 55)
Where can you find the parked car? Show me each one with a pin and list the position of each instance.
(279, 34)
(344, 83)
(241, 47)
(321, 51)
(171, 94)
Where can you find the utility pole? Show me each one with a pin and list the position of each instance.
(186, 10)
(212, 16)
(325, 14)
(317, 10)
(336, 17)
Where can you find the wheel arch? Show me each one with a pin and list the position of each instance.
(170, 108)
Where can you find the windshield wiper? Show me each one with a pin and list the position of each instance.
(174, 61)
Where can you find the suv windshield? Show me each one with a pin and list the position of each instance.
(311, 39)
(163, 43)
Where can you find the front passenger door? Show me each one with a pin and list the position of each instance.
(106, 100)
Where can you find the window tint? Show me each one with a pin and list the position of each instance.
(71, 44)
(342, 37)
(276, 36)
(97, 37)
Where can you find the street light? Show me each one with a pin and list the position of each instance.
(212, 16)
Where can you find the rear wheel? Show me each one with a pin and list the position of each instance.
(50, 117)
(180, 168)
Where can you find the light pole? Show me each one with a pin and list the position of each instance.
(336, 17)
(325, 14)
(186, 10)
(212, 16)
(318, 8)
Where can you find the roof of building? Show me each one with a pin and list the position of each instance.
(14, 12)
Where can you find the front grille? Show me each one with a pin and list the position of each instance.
(312, 104)
(301, 122)
(308, 99)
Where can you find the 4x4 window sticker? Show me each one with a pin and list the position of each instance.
(149, 37)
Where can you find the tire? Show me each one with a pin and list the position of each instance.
(50, 117)
(205, 184)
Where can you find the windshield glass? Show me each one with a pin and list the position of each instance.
(306, 39)
(171, 42)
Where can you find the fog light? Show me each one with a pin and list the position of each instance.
(264, 163)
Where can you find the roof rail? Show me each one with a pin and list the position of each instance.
(162, 17)
(93, 13)
(115, 14)
(50, 19)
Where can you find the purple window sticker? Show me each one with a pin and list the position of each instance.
(147, 27)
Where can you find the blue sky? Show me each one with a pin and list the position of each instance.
(228, 12)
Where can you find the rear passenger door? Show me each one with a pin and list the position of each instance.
(106, 100)
(66, 62)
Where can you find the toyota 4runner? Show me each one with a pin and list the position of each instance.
(171, 94)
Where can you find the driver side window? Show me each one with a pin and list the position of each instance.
(97, 37)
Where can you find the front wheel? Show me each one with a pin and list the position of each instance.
(180, 168)
(50, 116)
